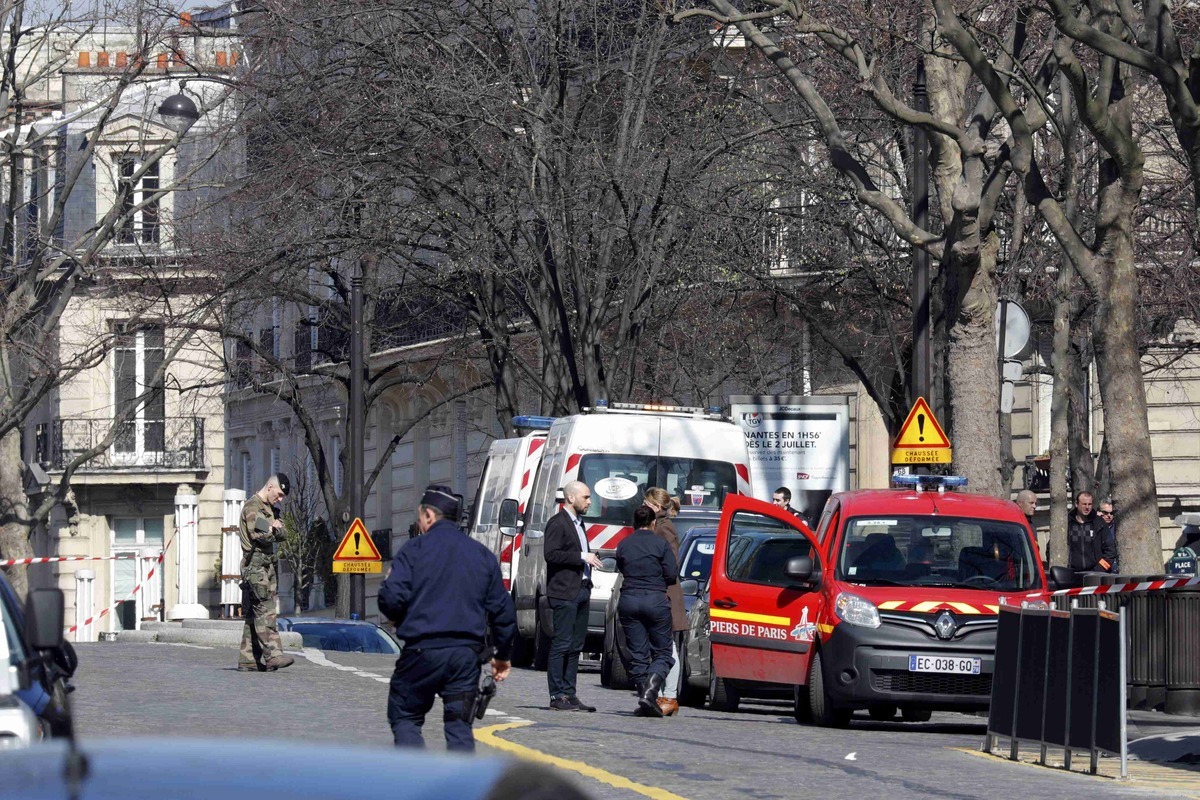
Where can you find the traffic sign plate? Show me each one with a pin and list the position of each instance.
(921, 439)
(356, 546)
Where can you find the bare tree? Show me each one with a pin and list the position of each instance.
(50, 262)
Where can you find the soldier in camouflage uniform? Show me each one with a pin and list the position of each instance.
(260, 530)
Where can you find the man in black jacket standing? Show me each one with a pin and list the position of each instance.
(444, 592)
(569, 566)
(1088, 549)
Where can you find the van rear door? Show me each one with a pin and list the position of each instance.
(762, 622)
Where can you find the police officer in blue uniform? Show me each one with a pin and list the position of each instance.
(444, 593)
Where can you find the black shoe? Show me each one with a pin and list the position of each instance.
(562, 704)
(648, 702)
(579, 704)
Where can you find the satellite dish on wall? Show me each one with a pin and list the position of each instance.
(1015, 341)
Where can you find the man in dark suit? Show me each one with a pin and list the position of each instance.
(569, 566)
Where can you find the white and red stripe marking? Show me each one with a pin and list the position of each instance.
(56, 559)
(1118, 588)
(509, 551)
(132, 594)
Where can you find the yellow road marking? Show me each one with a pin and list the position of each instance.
(743, 616)
(488, 736)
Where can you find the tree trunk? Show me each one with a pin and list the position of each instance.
(1126, 428)
(1062, 362)
(973, 383)
(14, 534)
(1079, 425)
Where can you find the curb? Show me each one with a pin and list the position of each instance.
(220, 637)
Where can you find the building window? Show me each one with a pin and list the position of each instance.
(275, 461)
(247, 475)
(139, 400)
(138, 204)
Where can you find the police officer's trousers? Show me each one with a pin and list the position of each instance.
(421, 674)
(646, 620)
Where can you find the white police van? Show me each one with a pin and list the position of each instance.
(619, 450)
(507, 472)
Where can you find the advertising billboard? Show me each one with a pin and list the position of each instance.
(796, 442)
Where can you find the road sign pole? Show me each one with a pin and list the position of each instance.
(358, 582)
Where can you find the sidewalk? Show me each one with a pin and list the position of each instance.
(1165, 739)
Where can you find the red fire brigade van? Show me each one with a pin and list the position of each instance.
(890, 605)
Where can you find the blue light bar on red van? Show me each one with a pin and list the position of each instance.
(537, 423)
(923, 482)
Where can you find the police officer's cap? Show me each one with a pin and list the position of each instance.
(285, 485)
(441, 498)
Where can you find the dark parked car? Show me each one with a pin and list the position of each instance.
(698, 536)
(342, 635)
(42, 672)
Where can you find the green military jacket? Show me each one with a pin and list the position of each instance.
(257, 545)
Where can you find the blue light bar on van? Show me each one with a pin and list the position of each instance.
(537, 423)
(925, 482)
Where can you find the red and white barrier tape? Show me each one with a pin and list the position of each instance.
(50, 560)
(1117, 588)
(133, 593)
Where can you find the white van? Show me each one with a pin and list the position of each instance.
(507, 472)
(620, 450)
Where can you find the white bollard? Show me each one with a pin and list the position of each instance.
(85, 604)
(187, 518)
(149, 594)
(231, 552)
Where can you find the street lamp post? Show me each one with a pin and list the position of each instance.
(921, 375)
(358, 582)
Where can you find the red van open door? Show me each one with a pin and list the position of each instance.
(764, 594)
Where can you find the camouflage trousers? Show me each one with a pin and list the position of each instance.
(260, 636)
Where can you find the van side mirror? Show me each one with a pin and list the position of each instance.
(462, 509)
(508, 517)
(690, 587)
(1062, 578)
(802, 571)
(44, 619)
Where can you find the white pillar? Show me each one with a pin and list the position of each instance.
(187, 518)
(231, 552)
(149, 594)
(85, 605)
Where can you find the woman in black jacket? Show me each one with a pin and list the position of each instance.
(647, 567)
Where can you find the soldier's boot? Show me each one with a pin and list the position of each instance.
(249, 666)
(278, 662)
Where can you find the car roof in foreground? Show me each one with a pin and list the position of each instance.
(184, 768)
(326, 621)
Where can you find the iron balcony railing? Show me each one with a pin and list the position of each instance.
(169, 443)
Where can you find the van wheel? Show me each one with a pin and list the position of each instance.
(689, 695)
(722, 696)
(823, 711)
(915, 714)
(522, 653)
(618, 676)
(801, 708)
(541, 646)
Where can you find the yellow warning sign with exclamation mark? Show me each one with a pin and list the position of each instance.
(921, 439)
(357, 552)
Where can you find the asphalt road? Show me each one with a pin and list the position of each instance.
(760, 752)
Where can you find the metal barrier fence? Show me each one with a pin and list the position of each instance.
(1076, 702)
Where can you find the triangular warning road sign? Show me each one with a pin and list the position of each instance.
(357, 545)
(921, 430)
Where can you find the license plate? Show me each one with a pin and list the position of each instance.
(949, 664)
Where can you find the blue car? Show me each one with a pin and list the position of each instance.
(342, 635)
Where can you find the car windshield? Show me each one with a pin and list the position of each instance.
(697, 561)
(964, 552)
(618, 482)
(345, 638)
